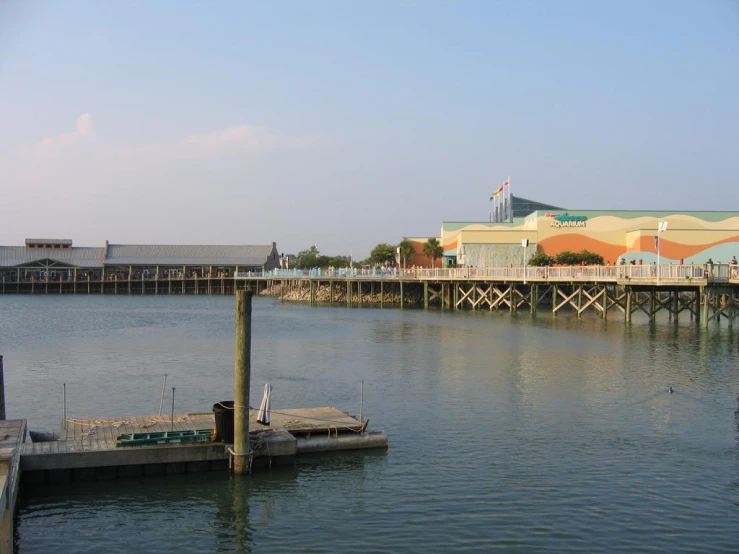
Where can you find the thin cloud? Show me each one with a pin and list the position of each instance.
(247, 137)
(83, 129)
(229, 141)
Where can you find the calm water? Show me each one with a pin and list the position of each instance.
(520, 434)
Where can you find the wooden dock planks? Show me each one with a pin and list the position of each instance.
(91, 442)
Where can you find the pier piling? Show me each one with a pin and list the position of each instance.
(242, 375)
(2, 390)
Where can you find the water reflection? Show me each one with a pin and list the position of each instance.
(544, 433)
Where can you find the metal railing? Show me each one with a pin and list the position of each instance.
(651, 273)
(667, 273)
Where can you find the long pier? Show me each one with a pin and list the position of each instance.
(703, 293)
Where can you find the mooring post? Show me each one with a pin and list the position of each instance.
(2, 390)
(242, 375)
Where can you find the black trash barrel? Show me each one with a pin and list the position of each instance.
(224, 415)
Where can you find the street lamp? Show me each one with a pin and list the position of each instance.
(661, 227)
(524, 243)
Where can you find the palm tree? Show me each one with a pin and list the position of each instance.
(432, 249)
(406, 251)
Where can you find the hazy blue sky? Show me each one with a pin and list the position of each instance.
(346, 124)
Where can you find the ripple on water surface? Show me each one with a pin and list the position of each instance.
(508, 432)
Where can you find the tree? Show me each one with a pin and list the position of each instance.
(590, 258)
(432, 249)
(579, 258)
(406, 251)
(382, 254)
(307, 258)
(539, 259)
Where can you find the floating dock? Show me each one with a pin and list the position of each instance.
(90, 449)
(12, 435)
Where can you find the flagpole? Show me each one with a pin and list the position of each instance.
(510, 200)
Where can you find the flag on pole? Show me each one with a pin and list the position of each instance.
(509, 200)
(499, 204)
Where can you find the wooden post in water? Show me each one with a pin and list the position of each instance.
(242, 375)
(2, 390)
(704, 295)
(676, 304)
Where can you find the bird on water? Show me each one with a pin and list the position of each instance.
(671, 390)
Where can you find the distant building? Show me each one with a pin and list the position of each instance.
(58, 259)
(419, 258)
(690, 237)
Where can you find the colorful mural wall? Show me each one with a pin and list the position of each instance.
(690, 237)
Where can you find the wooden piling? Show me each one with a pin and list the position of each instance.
(242, 375)
(704, 296)
(2, 390)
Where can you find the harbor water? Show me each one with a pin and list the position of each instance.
(507, 432)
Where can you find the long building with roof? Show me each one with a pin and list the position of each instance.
(58, 259)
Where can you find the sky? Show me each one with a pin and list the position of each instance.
(349, 124)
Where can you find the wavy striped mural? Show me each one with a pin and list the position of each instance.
(690, 237)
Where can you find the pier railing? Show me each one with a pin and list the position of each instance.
(668, 273)
(665, 273)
